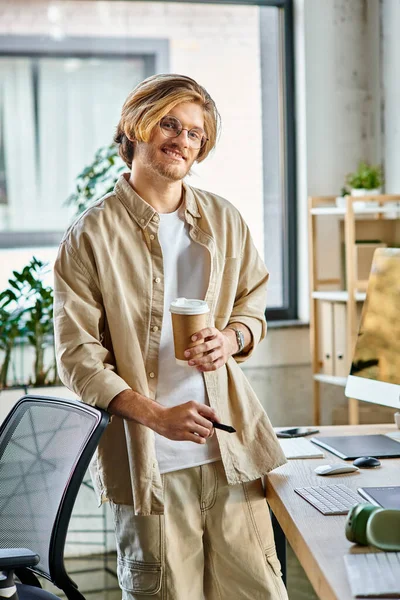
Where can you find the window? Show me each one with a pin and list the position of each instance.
(59, 102)
(69, 86)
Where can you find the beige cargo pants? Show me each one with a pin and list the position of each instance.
(215, 542)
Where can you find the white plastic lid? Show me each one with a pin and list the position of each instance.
(185, 306)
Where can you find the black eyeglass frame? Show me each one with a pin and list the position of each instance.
(204, 138)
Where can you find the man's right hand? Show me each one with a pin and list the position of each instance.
(190, 421)
(186, 422)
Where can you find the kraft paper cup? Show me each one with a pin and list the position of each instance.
(188, 317)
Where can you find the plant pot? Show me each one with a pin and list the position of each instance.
(359, 192)
(358, 205)
(362, 193)
(341, 201)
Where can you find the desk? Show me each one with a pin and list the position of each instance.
(319, 541)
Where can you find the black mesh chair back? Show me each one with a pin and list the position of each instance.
(45, 448)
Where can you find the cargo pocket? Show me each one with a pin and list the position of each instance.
(261, 520)
(139, 578)
(140, 545)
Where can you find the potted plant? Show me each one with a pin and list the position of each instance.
(26, 312)
(366, 180)
(97, 179)
(341, 200)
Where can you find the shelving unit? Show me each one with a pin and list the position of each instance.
(362, 219)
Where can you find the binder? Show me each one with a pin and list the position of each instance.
(341, 360)
(341, 366)
(327, 346)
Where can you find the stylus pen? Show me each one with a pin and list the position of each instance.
(227, 428)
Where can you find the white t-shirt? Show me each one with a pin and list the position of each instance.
(186, 274)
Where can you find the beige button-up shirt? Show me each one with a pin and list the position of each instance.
(108, 309)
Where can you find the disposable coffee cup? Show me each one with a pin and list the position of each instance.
(188, 317)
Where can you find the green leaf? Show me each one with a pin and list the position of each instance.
(96, 179)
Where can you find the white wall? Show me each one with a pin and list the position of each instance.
(337, 104)
(340, 107)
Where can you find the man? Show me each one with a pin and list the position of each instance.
(190, 514)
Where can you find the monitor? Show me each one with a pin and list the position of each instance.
(375, 369)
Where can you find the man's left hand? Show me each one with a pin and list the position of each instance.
(215, 349)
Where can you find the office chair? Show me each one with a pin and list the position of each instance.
(45, 448)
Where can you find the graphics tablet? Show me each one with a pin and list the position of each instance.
(350, 447)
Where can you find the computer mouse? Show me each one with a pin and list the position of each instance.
(334, 469)
(366, 462)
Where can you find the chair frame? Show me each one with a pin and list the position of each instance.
(57, 573)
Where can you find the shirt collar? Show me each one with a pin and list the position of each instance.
(140, 210)
(190, 201)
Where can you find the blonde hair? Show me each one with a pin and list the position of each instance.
(151, 100)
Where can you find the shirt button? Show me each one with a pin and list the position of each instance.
(152, 237)
(142, 221)
(155, 328)
(152, 375)
(156, 218)
(157, 280)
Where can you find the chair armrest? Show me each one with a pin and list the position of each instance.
(15, 558)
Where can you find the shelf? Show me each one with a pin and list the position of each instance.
(334, 210)
(341, 381)
(328, 210)
(333, 329)
(338, 296)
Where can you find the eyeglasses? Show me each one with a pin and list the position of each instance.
(171, 127)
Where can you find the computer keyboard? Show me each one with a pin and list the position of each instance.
(300, 448)
(330, 499)
(374, 575)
